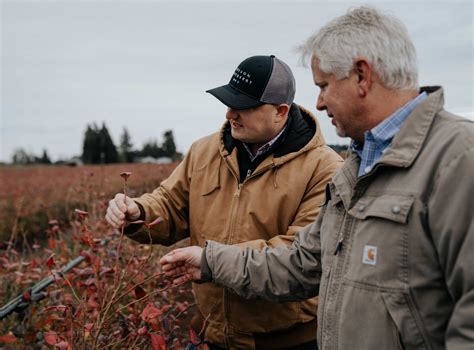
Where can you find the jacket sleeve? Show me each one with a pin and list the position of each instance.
(308, 208)
(450, 216)
(170, 202)
(286, 273)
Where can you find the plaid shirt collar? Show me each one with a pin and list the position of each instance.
(379, 138)
(264, 148)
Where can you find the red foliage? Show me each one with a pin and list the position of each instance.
(81, 213)
(158, 342)
(50, 261)
(8, 338)
(26, 295)
(139, 292)
(155, 222)
(150, 313)
(116, 297)
(51, 338)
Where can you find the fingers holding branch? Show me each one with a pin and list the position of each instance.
(120, 209)
(181, 261)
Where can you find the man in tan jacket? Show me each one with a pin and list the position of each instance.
(253, 184)
(391, 253)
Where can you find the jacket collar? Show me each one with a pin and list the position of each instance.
(405, 147)
(291, 146)
(407, 144)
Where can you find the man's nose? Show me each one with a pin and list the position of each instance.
(231, 114)
(320, 105)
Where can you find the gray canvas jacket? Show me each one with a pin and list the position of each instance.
(391, 253)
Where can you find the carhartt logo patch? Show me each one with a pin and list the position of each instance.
(370, 255)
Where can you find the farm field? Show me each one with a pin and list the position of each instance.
(116, 297)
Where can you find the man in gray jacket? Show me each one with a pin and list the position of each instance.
(391, 254)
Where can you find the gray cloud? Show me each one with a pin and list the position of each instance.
(145, 65)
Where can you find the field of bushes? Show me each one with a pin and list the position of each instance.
(116, 296)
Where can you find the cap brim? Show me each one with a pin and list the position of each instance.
(233, 98)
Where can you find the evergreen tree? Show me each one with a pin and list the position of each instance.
(98, 147)
(126, 147)
(152, 149)
(169, 147)
(108, 151)
(45, 158)
(91, 145)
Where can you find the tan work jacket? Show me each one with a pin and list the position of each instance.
(202, 199)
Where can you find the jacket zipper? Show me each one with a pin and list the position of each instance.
(339, 244)
(260, 171)
(337, 270)
(234, 217)
(235, 211)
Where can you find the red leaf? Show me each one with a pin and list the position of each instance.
(158, 342)
(93, 259)
(139, 292)
(51, 338)
(91, 281)
(105, 270)
(51, 319)
(193, 337)
(81, 213)
(87, 271)
(59, 308)
(87, 329)
(51, 243)
(64, 345)
(86, 255)
(26, 295)
(181, 307)
(50, 261)
(150, 313)
(8, 338)
(137, 222)
(92, 302)
(87, 239)
(142, 331)
(156, 221)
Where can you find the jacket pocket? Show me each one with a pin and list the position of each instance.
(208, 179)
(208, 204)
(390, 207)
(406, 320)
(371, 318)
(379, 241)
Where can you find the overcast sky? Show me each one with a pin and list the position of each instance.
(145, 65)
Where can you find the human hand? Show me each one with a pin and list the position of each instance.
(183, 262)
(120, 210)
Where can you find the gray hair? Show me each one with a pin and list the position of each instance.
(365, 32)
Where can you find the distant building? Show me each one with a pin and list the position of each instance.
(152, 160)
(74, 161)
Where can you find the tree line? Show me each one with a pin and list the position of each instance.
(99, 148)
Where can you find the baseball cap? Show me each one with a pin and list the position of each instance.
(256, 81)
